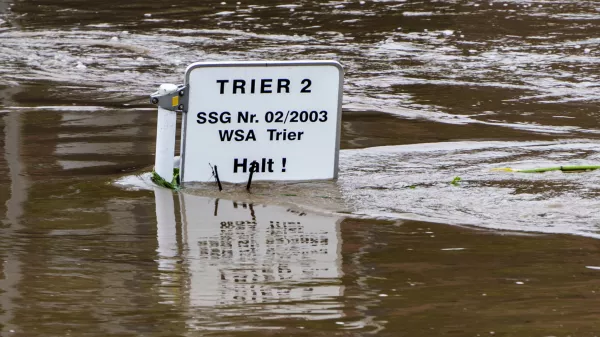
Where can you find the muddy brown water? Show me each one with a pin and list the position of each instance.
(433, 90)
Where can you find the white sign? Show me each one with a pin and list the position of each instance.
(280, 120)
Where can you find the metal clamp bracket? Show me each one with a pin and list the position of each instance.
(171, 97)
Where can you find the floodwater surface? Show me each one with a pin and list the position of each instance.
(421, 235)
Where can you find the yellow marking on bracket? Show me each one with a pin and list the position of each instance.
(175, 101)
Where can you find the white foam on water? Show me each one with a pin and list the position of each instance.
(418, 13)
(416, 179)
(136, 182)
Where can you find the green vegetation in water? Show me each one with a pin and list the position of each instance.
(455, 181)
(571, 168)
(289, 195)
(160, 181)
(562, 168)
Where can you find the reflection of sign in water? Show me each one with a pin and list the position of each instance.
(244, 254)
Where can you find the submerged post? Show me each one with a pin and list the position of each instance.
(165, 143)
(168, 100)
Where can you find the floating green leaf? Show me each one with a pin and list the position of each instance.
(572, 168)
(160, 181)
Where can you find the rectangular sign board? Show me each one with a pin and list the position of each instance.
(280, 119)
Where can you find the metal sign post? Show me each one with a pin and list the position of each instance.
(169, 101)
